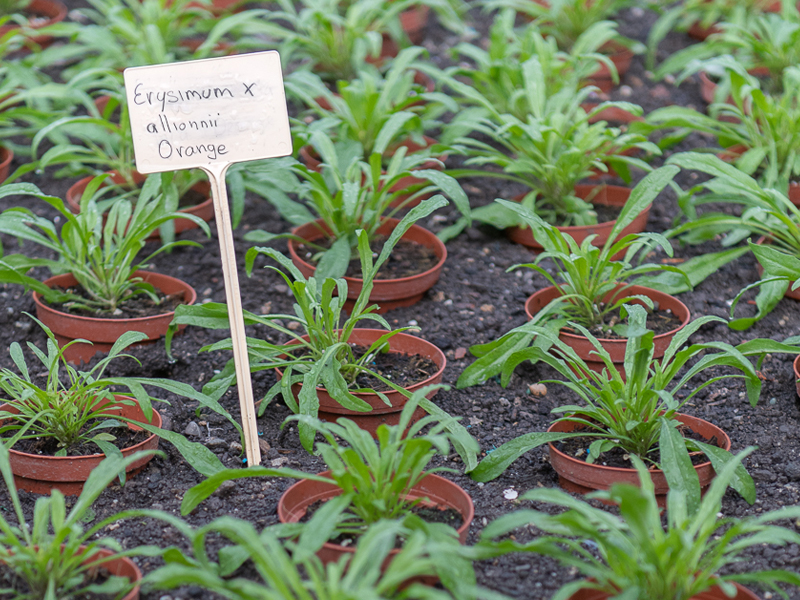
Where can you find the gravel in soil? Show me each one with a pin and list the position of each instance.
(475, 301)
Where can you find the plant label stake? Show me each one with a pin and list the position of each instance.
(209, 114)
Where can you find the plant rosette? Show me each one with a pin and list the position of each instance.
(715, 593)
(440, 492)
(41, 13)
(615, 347)
(578, 476)
(6, 156)
(400, 343)
(40, 473)
(311, 160)
(203, 210)
(388, 293)
(608, 195)
(733, 153)
(103, 331)
(701, 33)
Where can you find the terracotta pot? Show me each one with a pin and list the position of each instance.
(715, 593)
(440, 491)
(6, 156)
(609, 195)
(621, 56)
(578, 476)
(388, 293)
(616, 348)
(204, 210)
(40, 473)
(103, 332)
(401, 343)
(413, 21)
(47, 12)
(796, 368)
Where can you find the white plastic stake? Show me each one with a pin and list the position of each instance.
(209, 114)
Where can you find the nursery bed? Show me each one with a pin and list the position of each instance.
(474, 302)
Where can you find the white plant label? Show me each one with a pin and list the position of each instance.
(209, 114)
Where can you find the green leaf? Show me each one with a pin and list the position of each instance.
(499, 460)
(677, 465)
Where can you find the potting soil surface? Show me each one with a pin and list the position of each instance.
(475, 301)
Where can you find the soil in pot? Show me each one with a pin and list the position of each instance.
(427, 361)
(616, 347)
(577, 476)
(387, 293)
(117, 567)
(607, 197)
(37, 472)
(440, 492)
(104, 331)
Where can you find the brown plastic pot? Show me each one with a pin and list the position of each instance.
(440, 491)
(413, 21)
(616, 348)
(714, 593)
(621, 57)
(608, 195)
(6, 156)
(103, 332)
(46, 12)
(204, 210)
(400, 343)
(41, 474)
(388, 293)
(578, 476)
(796, 369)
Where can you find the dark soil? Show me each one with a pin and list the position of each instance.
(475, 301)
(658, 321)
(406, 260)
(405, 370)
(123, 438)
(578, 447)
(140, 305)
(431, 514)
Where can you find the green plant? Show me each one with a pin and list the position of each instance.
(377, 111)
(704, 13)
(77, 407)
(496, 82)
(130, 33)
(639, 555)
(299, 574)
(766, 45)
(62, 565)
(760, 131)
(636, 412)
(555, 147)
(101, 257)
(764, 212)
(318, 351)
(335, 38)
(566, 20)
(351, 195)
(12, 7)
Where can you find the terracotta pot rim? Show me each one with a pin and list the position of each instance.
(438, 352)
(134, 448)
(743, 593)
(467, 518)
(633, 289)
(50, 281)
(571, 459)
(437, 243)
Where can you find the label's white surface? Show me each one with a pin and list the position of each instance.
(208, 112)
